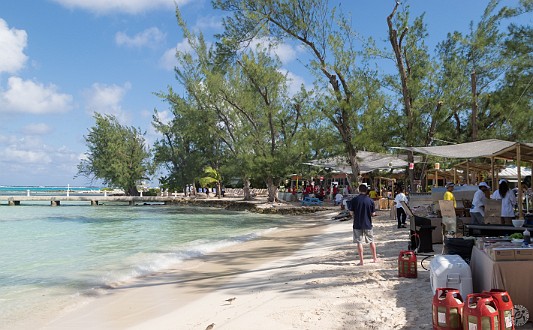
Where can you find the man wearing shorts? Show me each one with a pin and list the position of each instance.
(362, 207)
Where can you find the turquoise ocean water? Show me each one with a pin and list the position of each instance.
(52, 257)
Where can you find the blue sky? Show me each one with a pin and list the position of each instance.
(62, 60)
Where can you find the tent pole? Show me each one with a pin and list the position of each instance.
(467, 173)
(455, 175)
(519, 175)
(492, 172)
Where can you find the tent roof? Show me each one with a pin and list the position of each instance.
(510, 172)
(368, 162)
(472, 166)
(484, 148)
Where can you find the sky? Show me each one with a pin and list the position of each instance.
(63, 60)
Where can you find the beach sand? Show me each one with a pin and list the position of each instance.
(302, 277)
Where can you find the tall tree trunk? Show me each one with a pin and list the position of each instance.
(403, 69)
(473, 81)
(354, 164)
(246, 189)
(272, 188)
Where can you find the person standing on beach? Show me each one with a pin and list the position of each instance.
(363, 210)
(448, 195)
(477, 212)
(401, 216)
(508, 201)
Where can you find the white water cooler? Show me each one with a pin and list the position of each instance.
(450, 271)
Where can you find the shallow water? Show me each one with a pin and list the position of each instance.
(55, 256)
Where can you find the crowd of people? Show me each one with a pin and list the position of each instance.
(362, 209)
(477, 211)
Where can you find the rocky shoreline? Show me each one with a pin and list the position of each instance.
(258, 205)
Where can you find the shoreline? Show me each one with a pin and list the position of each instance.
(304, 276)
(154, 296)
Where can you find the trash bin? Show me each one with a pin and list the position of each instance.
(459, 246)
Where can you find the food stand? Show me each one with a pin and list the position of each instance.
(497, 263)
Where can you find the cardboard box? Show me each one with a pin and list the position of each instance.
(493, 211)
(523, 254)
(502, 254)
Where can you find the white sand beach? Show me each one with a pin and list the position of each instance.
(304, 277)
(300, 277)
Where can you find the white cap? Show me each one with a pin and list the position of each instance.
(483, 184)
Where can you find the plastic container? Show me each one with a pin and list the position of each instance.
(505, 308)
(407, 265)
(450, 271)
(527, 237)
(447, 309)
(480, 313)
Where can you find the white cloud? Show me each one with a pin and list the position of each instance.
(165, 116)
(12, 44)
(168, 61)
(147, 38)
(26, 156)
(208, 22)
(36, 129)
(126, 6)
(24, 150)
(106, 99)
(37, 160)
(286, 52)
(295, 82)
(26, 96)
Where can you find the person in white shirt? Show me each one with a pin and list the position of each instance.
(345, 190)
(508, 201)
(477, 212)
(338, 198)
(401, 216)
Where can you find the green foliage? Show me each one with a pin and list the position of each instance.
(238, 117)
(152, 192)
(211, 177)
(117, 154)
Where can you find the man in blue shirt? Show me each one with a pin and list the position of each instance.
(362, 207)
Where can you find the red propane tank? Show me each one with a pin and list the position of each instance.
(407, 264)
(447, 309)
(505, 308)
(480, 312)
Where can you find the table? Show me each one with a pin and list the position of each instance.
(493, 230)
(516, 277)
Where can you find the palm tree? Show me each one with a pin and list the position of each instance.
(211, 176)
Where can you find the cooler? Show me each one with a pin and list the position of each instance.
(450, 271)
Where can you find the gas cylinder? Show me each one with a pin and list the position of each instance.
(480, 312)
(447, 309)
(505, 308)
(407, 264)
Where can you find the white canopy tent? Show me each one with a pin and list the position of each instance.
(510, 173)
(368, 162)
(492, 148)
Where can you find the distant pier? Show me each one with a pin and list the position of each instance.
(93, 200)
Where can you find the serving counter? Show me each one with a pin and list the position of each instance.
(516, 277)
(493, 230)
